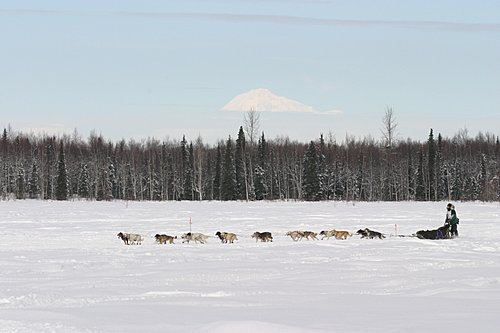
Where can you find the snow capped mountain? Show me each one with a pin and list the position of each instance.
(263, 100)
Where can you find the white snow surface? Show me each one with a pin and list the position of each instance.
(63, 269)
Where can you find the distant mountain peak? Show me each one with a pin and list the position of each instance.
(263, 100)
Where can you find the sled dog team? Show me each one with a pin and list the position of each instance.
(229, 237)
(449, 230)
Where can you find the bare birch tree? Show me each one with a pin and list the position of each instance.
(389, 132)
(252, 128)
(252, 124)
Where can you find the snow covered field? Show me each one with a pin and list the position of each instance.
(64, 270)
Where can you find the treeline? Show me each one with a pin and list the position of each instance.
(67, 167)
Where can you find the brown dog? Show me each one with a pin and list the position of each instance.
(163, 239)
(335, 233)
(341, 234)
(263, 236)
(226, 237)
(295, 235)
(307, 234)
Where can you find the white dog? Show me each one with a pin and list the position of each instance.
(194, 236)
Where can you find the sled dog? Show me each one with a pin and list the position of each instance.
(327, 234)
(367, 233)
(226, 237)
(163, 239)
(295, 235)
(130, 239)
(194, 236)
(263, 236)
(307, 234)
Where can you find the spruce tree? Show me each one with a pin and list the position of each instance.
(322, 170)
(189, 175)
(311, 183)
(482, 178)
(262, 151)
(432, 166)
(83, 182)
(62, 176)
(101, 186)
(4, 144)
(440, 171)
(470, 189)
(340, 180)
(34, 181)
(228, 185)
(187, 170)
(218, 174)
(110, 181)
(209, 177)
(49, 169)
(261, 187)
(241, 168)
(260, 183)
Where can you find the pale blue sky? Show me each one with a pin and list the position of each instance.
(166, 68)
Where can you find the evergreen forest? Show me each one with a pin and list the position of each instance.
(68, 167)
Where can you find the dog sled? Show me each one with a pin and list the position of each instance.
(439, 233)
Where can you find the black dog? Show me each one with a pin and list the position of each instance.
(367, 233)
(440, 233)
